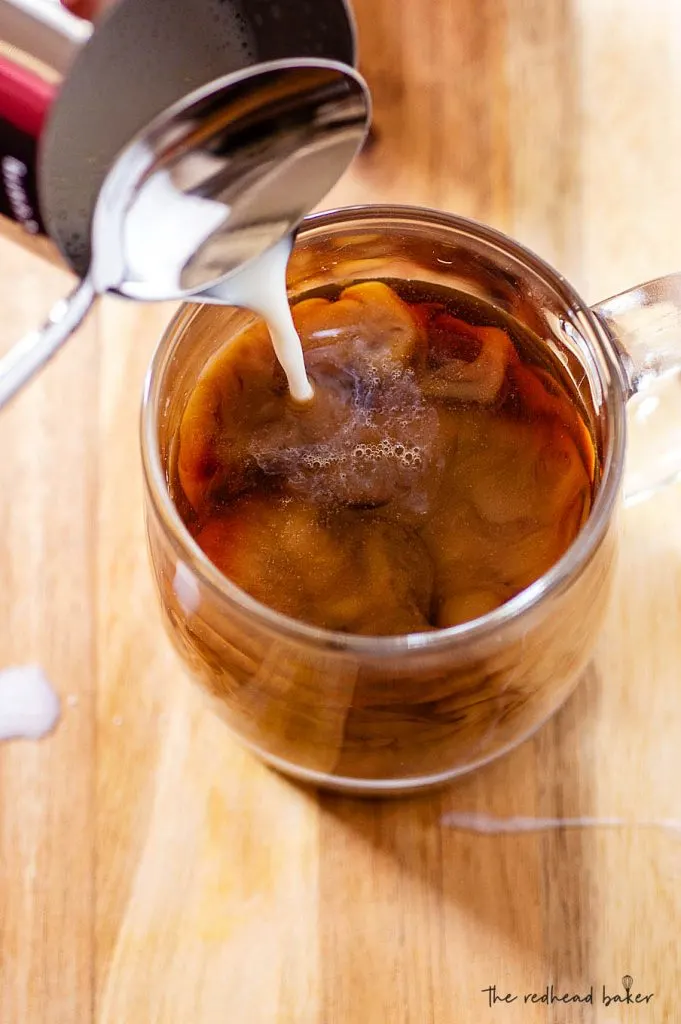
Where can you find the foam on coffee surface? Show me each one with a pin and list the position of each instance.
(367, 438)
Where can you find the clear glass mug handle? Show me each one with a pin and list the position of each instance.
(645, 325)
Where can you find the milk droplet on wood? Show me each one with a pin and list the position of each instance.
(29, 706)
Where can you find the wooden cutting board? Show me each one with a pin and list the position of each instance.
(151, 872)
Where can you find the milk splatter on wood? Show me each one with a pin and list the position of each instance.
(29, 707)
(487, 824)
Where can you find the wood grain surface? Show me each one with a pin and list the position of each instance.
(151, 872)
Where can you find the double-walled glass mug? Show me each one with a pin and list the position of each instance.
(391, 714)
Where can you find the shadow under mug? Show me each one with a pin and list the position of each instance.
(392, 714)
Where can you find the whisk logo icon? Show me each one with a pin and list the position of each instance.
(628, 997)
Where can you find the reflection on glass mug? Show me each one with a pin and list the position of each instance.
(437, 614)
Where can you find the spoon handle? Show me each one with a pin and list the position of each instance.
(36, 349)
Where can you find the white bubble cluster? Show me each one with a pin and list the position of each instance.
(386, 449)
(370, 441)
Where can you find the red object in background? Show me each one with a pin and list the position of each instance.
(25, 101)
(25, 98)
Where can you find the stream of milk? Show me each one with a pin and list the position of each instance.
(261, 287)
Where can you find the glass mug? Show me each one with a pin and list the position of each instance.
(392, 714)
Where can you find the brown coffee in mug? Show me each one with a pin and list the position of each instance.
(443, 465)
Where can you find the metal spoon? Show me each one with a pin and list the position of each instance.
(144, 56)
(209, 186)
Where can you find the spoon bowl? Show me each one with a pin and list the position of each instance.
(209, 186)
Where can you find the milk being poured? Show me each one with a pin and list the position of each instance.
(261, 286)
